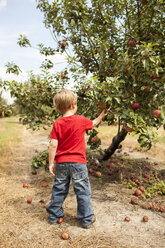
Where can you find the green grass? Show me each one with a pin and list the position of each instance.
(10, 131)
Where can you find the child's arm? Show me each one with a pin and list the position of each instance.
(52, 152)
(99, 118)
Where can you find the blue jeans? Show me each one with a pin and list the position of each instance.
(79, 175)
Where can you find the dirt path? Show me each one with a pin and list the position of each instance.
(26, 225)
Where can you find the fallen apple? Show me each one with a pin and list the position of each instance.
(138, 192)
(145, 218)
(127, 219)
(25, 185)
(65, 235)
(110, 173)
(111, 164)
(60, 220)
(34, 172)
(162, 209)
(90, 171)
(142, 189)
(44, 185)
(146, 176)
(136, 181)
(134, 200)
(98, 174)
(29, 200)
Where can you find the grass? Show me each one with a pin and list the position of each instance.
(10, 132)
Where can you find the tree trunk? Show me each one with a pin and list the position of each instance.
(115, 143)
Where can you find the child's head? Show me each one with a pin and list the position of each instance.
(64, 99)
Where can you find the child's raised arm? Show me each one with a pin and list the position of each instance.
(99, 118)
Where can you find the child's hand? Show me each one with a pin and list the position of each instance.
(52, 169)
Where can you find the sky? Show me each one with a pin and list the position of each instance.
(22, 17)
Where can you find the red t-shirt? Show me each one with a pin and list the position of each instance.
(70, 131)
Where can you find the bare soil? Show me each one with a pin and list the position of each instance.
(26, 225)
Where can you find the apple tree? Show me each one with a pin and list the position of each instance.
(115, 52)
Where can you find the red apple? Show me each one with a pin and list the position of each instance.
(94, 140)
(60, 220)
(36, 150)
(129, 129)
(111, 164)
(162, 209)
(98, 174)
(85, 89)
(90, 171)
(63, 76)
(136, 181)
(110, 173)
(134, 200)
(111, 50)
(25, 185)
(34, 172)
(44, 185)
(65, 235)
(138, 192)
(156, 113)
(131, 43)
(29, 200)
(127, 219)
(154, 206)
(142, 188)
(146, 176)
(135, 105)
(145, 218)
(63, 44)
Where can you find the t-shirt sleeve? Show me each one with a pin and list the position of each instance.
(53, 134)
(87, 123)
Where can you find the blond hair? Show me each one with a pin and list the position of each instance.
(64, 99)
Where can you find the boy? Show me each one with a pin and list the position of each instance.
(67, 138)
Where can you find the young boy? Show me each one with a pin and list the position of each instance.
(67, 139)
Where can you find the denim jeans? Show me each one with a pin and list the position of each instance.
(79, 175)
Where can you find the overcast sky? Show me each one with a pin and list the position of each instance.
(22, 17)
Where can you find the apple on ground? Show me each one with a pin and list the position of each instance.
(147, 176)
(29, 200)
(142, 188)
(110, 173)
(136, 181)
(34, 172)
(65, 235)
(111, 164)
(127, 219)
(25, 185)
(98, 174)
(134, 200)
(44, 185)
(90, 171)
(36, 150)
(145, 218)
(162, 209)
(60, 220)
(138, 192)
